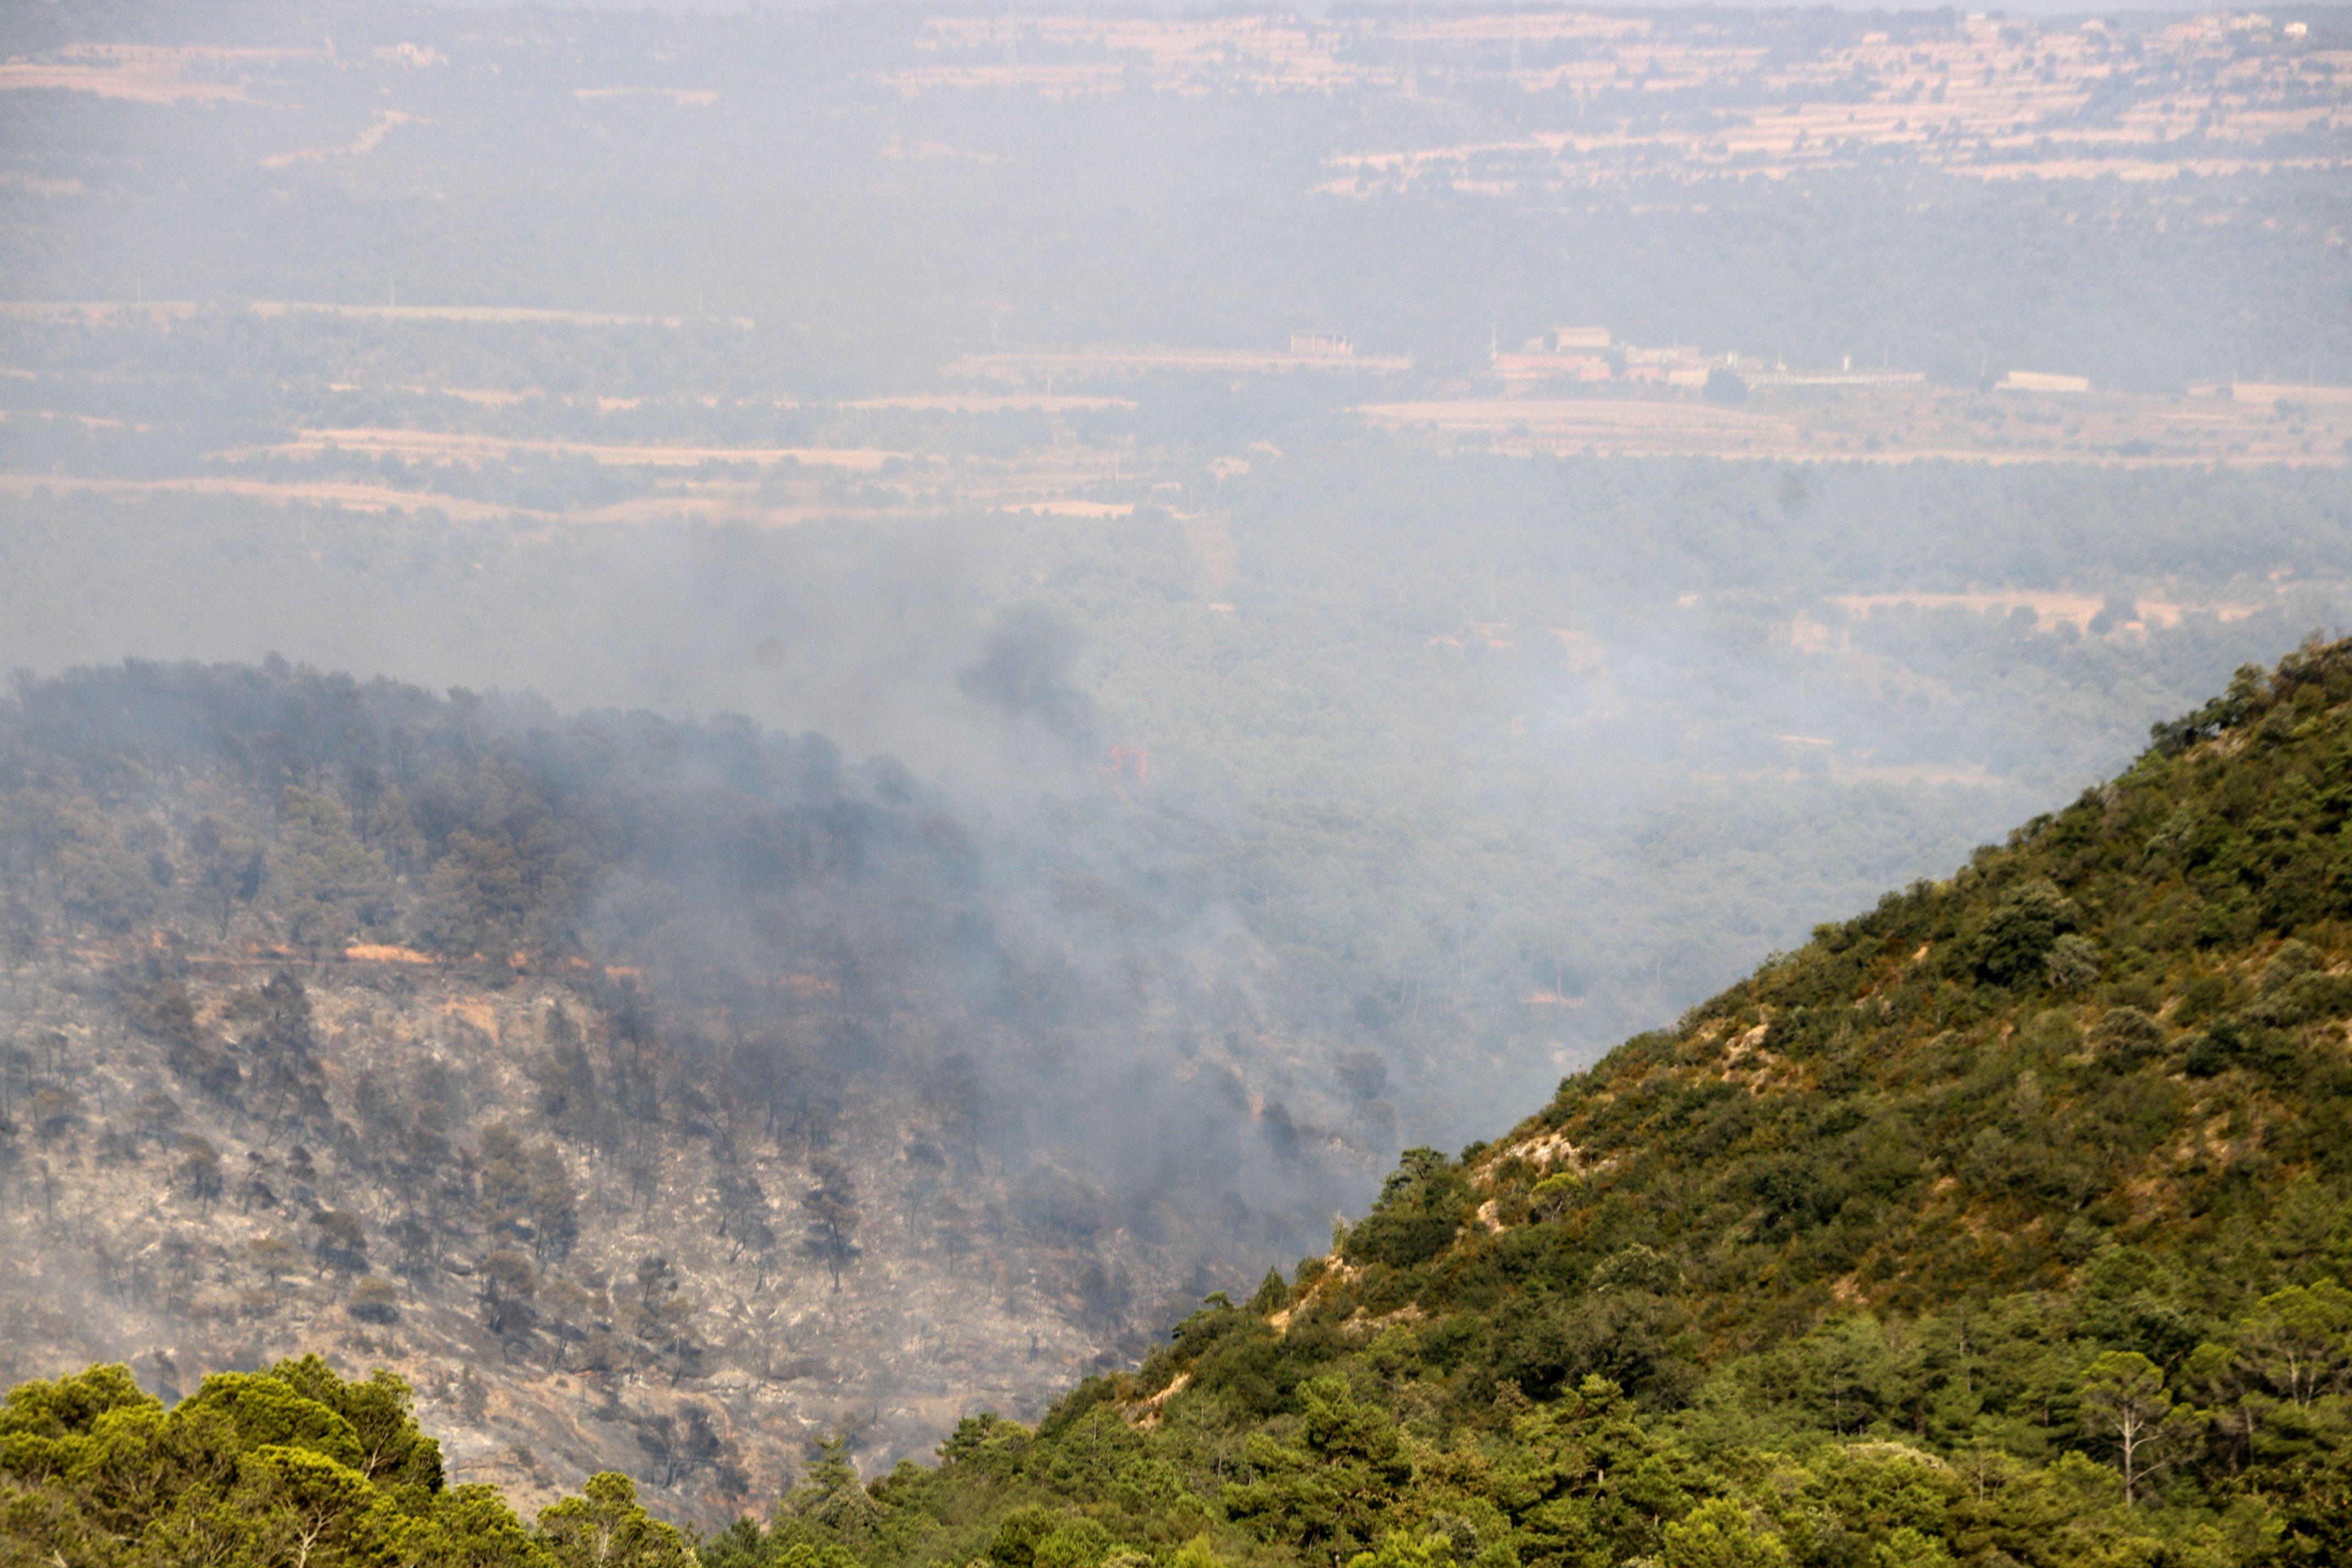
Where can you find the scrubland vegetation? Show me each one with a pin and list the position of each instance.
(2004, 1223)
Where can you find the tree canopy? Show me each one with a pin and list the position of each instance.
(290, 1465)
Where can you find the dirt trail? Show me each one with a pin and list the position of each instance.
(367, 142)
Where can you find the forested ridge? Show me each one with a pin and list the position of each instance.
(2004, 1223)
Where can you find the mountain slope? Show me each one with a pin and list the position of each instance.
(2122, 1029)
(650, 1096)
(2002, 1224)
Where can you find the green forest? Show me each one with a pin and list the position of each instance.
(2005, 1223)
(290, 1465)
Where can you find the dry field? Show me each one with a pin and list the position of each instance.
(149, 73)
(714, 503)
(507, 314)
(1989, 98)
(1067, 481)
(1907, 423)
(450, 447)
(959, 403)
(1098, 509)
(1617, 426)
(2049, 609)
(141, 85)
(313, 492)
(1088, 364)
(1274, 52)
(684, 97)
(63, 309)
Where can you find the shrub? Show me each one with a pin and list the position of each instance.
(375, 1301)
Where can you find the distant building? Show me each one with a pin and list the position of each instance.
(2038, 381)
(1652, 364)
(1570, 354)
(1321, 345)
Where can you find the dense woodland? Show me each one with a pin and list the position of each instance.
(2004, 1223)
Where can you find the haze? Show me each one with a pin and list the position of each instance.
(1289, 578)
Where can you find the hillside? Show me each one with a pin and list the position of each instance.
(2002, 1224)
(1498, 735)
(647, 1096)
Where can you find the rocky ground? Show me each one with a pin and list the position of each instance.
(354, 1203)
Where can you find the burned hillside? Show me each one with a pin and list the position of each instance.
(617, 1080)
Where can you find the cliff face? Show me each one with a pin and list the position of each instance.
(649, 1097)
